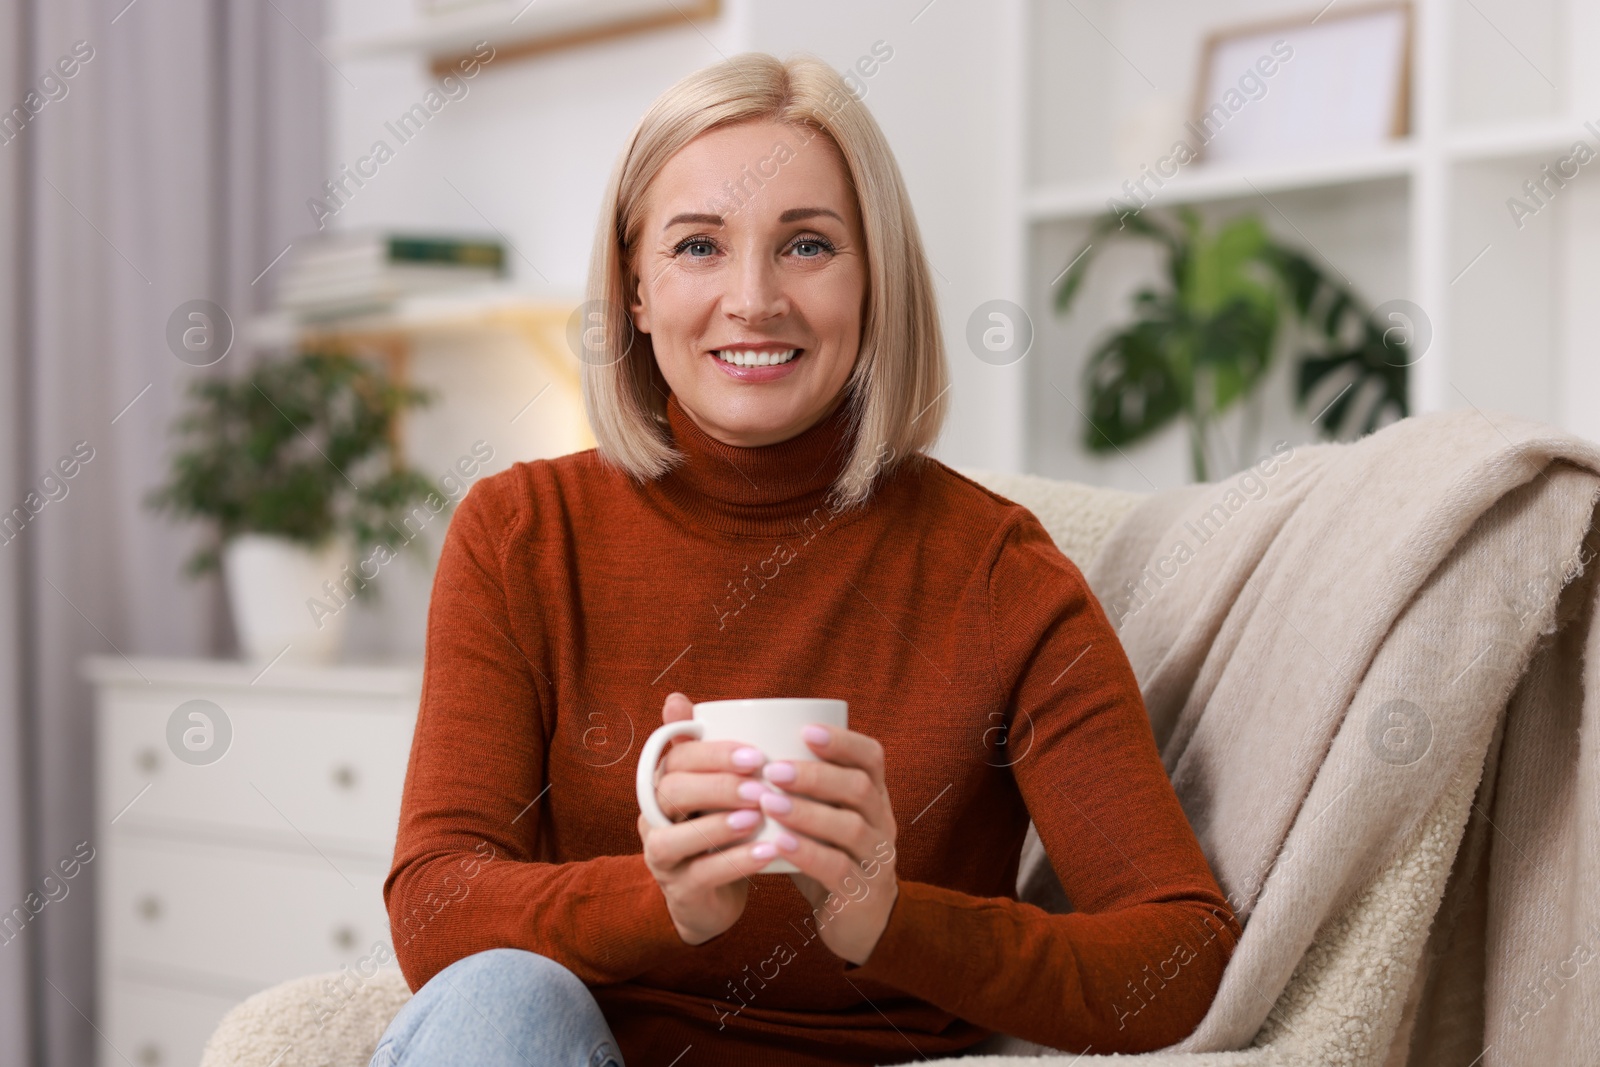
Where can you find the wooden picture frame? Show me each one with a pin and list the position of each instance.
(1333, 46)
(624, 18)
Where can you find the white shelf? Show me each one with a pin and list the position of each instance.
(1521, 139)
(500, 23)
(538, 320)
(446, 310)
(1199, 182)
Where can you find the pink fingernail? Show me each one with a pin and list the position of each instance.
(763, 851)
(747, 757)
(815, 734)
(744, 818)
(780, 772)
(752, 790)
(777, 802)
(787, 843)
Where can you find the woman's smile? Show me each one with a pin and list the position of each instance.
(757, 362)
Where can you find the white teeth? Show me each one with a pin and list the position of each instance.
(742, 358)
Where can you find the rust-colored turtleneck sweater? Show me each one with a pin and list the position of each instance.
(569, 601)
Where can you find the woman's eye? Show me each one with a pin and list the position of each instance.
(818, 244)
(806, 247)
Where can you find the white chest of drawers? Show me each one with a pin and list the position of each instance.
(242, 847)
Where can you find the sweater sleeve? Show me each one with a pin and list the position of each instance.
(464, 877)
(1136, 965)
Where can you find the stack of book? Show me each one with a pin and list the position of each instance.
(364, 272)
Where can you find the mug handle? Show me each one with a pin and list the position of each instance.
(644, 780)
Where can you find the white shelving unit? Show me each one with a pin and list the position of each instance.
(1498, 90)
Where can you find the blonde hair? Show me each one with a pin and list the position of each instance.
(897, 391)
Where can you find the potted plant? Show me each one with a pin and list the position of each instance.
(294, 466)
(1203, 342)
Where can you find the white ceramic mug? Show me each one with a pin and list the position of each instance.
(771, 724)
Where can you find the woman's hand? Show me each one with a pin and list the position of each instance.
(840, 805)
(705, 890)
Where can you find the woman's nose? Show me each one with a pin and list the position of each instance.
(756, 292)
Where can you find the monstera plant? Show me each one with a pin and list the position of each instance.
(1201, 342)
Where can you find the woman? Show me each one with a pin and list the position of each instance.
(764, 372)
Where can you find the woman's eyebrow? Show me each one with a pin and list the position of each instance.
(697, 218)
(797, 214)
(794, 214)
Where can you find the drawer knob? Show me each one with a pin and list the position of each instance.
(344, 776)
(149, 908)
(148, 760)
(150, 1055)
(344, 938)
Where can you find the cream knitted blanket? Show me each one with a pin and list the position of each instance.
(1327, 643)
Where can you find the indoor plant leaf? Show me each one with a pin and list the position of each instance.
(1205, 343)
(286, 449)
(1132, 389)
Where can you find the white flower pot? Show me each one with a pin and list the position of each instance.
(280, 606)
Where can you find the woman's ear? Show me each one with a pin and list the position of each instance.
(636, 306)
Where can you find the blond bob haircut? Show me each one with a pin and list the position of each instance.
(897, 391)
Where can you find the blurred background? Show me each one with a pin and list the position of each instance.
(281, 279)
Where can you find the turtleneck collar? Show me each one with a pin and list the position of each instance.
(767, 490)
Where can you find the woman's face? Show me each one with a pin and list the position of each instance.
(752, 249)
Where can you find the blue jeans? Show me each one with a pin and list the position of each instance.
(502, 1008)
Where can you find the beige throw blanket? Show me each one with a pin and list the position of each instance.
(1326, 642)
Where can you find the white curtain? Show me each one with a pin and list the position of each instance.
(172, 165)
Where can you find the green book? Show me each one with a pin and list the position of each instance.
(483, 254)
